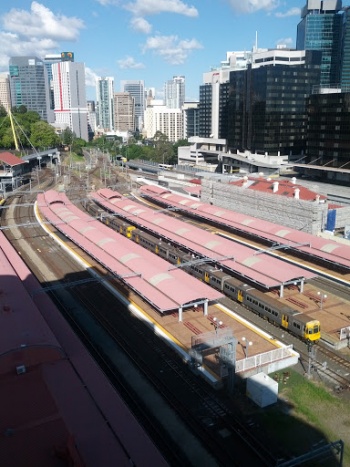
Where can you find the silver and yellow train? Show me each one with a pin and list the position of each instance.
(271, 309)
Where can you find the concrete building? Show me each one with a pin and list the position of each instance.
(124, 112)
(174, 92)
(5, 96)
(191, 119)
(137, 90)
(29, 84)
(48, 61)
(91, 117)
(105, 103)
(68, 80)
(168, 121)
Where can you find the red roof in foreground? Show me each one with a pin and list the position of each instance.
(10, 159)
(279, 188)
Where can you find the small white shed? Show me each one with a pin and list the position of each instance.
(262, 389)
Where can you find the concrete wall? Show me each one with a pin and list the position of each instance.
(294, 213)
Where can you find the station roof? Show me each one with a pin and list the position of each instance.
(10, 159)
(261, 269)
(144, 272)
(283, 188)
(328, 250)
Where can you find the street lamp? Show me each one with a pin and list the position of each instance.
(246, 346)
(322, 298)
(217, 324)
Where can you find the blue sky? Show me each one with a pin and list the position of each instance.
(151, 40)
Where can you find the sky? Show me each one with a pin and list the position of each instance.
(149, 40)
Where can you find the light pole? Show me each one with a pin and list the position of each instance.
(217, 324)
(322, 298)
(246, 345)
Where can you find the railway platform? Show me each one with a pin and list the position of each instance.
(252, 351)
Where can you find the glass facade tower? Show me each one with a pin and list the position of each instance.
(321, 28)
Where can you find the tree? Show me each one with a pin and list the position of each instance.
(3, 112)
(163, 149)
(67, 136)
(43, 135)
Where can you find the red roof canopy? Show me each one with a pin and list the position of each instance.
(10, 159)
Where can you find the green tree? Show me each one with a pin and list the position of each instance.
(67, 136)
(43, 135)
(163, 149)
(3, 112)
(78, 145)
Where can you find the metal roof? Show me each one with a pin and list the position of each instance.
(10, 159)
(262, 269)
(146, 273)
(328, 250)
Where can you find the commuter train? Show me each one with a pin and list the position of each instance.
(269, 308)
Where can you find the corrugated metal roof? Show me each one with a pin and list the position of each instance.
(314, 246)
(10, 159)
(144, 271)
(263, 269)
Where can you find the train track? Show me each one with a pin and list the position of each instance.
(182, 396)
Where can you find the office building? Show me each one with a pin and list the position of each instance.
(5, 97)
(268, 103)
(137, 90)
(191, 119)
(321, 28)
(328, 130)
(104, 103)
(29, 84)
(124, 112)
(174, 92)
(48, 61)
(68, 79)
(168, 121)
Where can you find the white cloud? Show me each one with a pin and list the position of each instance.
(130, 63)
(152, 7)
(141, 25)
(251, 6)
(291, 12)
(108, 2)
(11, 45)
(171, 49)
(41, 22)
(90, 77)
(288, 42)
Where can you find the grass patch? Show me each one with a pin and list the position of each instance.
(305, 415)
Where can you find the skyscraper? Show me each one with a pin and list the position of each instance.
(124, 112)
(48, 61)
(5, 97)
(137, 91)
(68, 79)
(174, 92)
(29, 85)
(321, 28)
(104, 103)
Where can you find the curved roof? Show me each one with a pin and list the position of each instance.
(262, 269)
(146, 273)
(328, 250)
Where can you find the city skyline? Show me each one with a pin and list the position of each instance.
(146, 40)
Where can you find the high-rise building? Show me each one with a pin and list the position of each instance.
(104, 103)
(137, 90)
(268, 102)
(124, 112)
(68, 80)
(174, 92)
(321, 28)
(168, 121)
(5, 97)
(29, 84)
(191, 119)
(48, 61)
